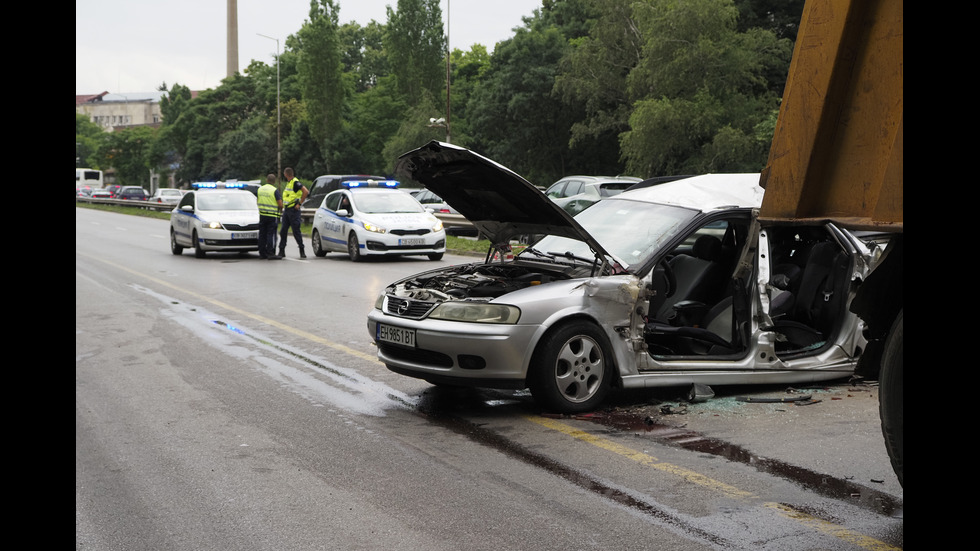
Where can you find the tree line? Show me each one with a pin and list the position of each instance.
(639, 87)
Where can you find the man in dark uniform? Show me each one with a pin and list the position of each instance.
(293, 195)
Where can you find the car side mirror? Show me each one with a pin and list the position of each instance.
(187, 208)
(343, 213)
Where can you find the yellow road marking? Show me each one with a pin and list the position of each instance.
(642, 458)
(826, 527)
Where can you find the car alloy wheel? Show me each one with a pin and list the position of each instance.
(571, 370)
(353, 248)
(174, 247)
(318, 249)
(198, 251)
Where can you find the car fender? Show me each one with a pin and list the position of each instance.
(608, 302)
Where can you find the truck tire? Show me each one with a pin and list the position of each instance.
(891, 397)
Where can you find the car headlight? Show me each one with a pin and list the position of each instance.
(476, 312)
(214, 225)
(379, 302)
(438, 226)
(371, 227)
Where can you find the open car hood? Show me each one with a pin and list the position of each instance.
(498, 202)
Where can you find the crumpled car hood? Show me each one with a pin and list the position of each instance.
(499, 203)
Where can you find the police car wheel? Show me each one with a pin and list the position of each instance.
(353, 248)
(198, 251)
(318, 249)
(174, 247)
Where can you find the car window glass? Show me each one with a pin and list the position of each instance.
(332, 201)
(633, 231)
(382, 203)
(188, 199)
(226, 201)
(555, 190)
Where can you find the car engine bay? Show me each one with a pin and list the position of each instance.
(477, 281)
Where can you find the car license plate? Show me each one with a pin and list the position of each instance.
(395, 335)
(245, 235)
(415, 241)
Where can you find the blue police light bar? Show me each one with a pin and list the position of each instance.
(199, 185)
(234, 185)
(370, 183)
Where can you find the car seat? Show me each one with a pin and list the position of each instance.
(698, 277)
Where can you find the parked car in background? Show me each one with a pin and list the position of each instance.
(132, 193)
(169, 196)
(212, 219)
(83, 191)
(113, 190)
(101, 194)
(668, 285)
(432, 201)
(322, 185)
(577, 193)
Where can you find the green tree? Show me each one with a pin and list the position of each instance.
(363, 53)
(88, 137)
(413, 132)
(320, 71)
(700, 91)
(130, 152)
(416, 48)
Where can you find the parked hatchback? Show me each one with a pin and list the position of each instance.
(672, 284)
(132, 193)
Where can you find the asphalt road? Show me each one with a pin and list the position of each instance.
(235, 403)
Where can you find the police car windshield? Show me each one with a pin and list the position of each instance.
(226, 201)
(384, 203)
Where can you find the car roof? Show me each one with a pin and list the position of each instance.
(705, 193)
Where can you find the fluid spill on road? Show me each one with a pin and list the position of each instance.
(448, 418)
(821, 483)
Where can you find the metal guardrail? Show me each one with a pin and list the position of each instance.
(455, 224)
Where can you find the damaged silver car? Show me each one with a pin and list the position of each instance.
(672, 284)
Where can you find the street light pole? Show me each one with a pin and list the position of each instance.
(278, 113)
(447, 72)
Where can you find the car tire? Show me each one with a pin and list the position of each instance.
(353, 248)
(198, 251)
(318, 249)
(435, 256)
(571, 368)
(174, 247)
(891, 401)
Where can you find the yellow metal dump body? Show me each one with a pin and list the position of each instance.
(837, 153)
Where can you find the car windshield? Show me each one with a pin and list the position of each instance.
(226, 201)
(173, 192)
(632, 231)
(383, 203)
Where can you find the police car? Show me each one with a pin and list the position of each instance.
(374, 218)
(215, 217)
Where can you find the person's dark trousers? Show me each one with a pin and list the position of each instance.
(291, 219)
(267, 235)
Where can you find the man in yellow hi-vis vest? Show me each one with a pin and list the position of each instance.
(270, 204)
(293, 195)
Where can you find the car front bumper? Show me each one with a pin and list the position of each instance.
(471, 354)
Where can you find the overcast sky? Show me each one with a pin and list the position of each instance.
(125, 46)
